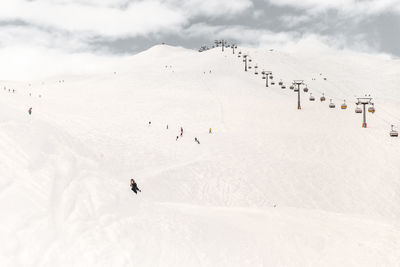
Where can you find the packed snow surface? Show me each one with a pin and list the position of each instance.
(270, 186)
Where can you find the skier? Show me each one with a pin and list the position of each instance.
(30, 111)
(167, 126)
(177, 137)
(149, 123)
(134, 186)
(209, 131)
(197, 140)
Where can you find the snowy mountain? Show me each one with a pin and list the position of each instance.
(270, 186)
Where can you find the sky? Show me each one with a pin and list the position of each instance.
(41, 37)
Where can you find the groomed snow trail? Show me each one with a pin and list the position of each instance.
(271, 186)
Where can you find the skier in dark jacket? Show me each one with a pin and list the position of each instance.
(30, 111)
(134, 186)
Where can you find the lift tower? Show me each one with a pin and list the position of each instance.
(298, 83)
(265, 76)
(220, 42)
(364, 101)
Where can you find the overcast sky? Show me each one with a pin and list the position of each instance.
(73, 30)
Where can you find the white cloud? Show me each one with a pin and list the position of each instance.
(139, 18)
(213, 8)
(119, 18)
(347, 7)
(293, 21)
(244, 35)
(31, 36)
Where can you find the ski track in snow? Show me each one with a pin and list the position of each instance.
(271, 186)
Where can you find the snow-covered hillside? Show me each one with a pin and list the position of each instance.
(270, 186)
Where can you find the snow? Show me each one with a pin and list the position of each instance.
(271, 186)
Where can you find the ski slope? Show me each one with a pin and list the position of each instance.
(271, 186)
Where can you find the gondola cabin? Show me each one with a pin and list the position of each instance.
(343, 106)
(394, 133)
(371, 109)
(331, 104)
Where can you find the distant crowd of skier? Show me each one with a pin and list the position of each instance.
(14, 91)
(133, 184)
(181, 133)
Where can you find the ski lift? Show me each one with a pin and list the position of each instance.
(250, 60)
(322, 98)
(343, 106)
(271, 77)
(371, 109)
(305, 89)
(250, 67)
(280, 83)
(358, 109)
(291, 87)
(256, 73)
(272, 83)
(283, 87)
(312, 98)
(264, 77)
(331, 105)
(394, 133)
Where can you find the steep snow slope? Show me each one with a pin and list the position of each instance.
(271, 186)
